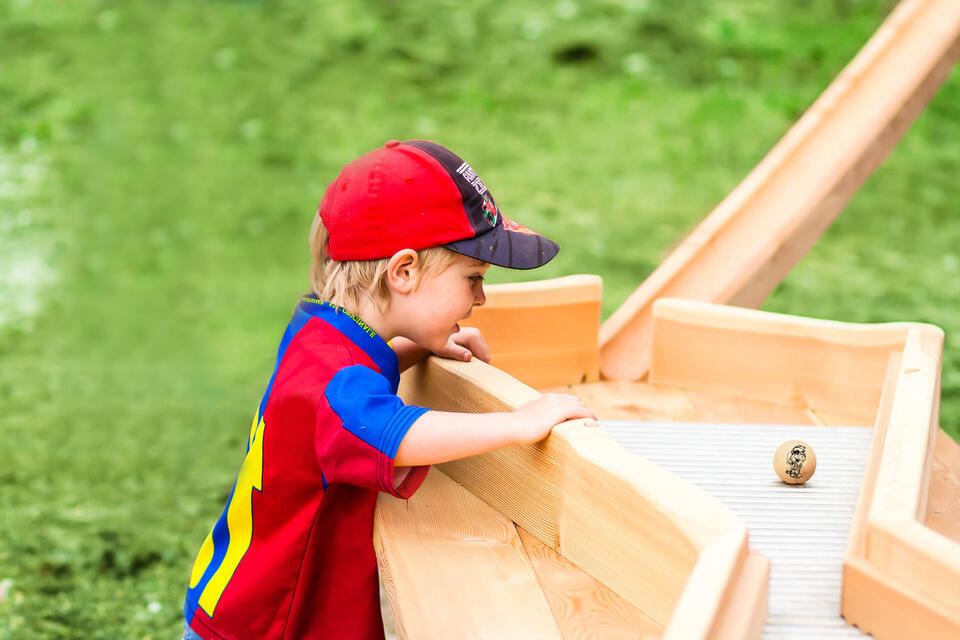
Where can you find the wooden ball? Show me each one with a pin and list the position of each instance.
(795, 461)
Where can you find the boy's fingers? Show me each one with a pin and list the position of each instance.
(580, 410)
(479, 347)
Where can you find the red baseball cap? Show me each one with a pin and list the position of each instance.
(418, 194)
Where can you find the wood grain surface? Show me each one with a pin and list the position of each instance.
(453, 567)
(584, 608)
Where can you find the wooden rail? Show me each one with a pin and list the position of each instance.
(545, 332)
(902, 578)
(667, 548)
(746, 246)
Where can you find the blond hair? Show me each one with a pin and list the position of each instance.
(344, 283)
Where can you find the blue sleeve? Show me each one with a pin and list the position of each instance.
(370, 411)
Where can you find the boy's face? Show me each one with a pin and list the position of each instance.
(431, 312)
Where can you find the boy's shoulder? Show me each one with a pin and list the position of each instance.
(320, 345)
(308, 362)
(323, 339)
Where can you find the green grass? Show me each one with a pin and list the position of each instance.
(160, 163)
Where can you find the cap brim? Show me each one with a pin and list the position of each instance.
(516, 248)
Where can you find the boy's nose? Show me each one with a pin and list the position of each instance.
(479, 298)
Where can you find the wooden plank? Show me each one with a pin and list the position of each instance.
(810, 364)
(744, 612)
(645, 402)
(943, 506)
(583, 607)
(435, 384)
(453, 567)
(857, 541)
(699, 609)
(544, 333)
(758, 233)
(628, 523)
(836, 419)
(622, 400)
(918, 561)
(895, 563)
(717, 407)
(882, 607)
(903, 478)
(648, 550)
(574, 289)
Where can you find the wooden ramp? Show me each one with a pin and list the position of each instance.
(746, 246)
(803, 529)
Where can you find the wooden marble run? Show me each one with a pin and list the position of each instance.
(577, 537)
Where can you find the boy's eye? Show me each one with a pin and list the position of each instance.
(477, 278)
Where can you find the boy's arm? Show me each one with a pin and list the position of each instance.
(460, 346)
(439, 436)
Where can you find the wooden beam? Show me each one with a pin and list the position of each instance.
(544, 333)
(453, 567)
(900, 576)
(878, 605)
(918, 561)
(943, 505)
(699, 609)
(583, 607)
(748, 244)
(903, 477)
(744, 611)
(636, 528)
(857, 542)
(819, 365)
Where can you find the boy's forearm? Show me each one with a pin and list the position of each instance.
(408, 352)
(440, 436)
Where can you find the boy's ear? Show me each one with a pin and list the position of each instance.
(402, 270)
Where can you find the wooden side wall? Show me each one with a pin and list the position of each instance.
(821, 365)
(636, 528)
(544, 333)
(901, 578)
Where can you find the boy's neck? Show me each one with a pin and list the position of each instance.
(379, 322)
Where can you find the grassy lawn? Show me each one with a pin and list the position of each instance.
(160, 163)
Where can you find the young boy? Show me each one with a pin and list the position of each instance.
(400, 243)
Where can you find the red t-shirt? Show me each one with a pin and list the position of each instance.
(292, 554)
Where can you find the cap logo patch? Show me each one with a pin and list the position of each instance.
(472, 178)
(489, 210)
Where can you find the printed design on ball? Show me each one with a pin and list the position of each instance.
(489, 210)
(795, 460)
(510, 225)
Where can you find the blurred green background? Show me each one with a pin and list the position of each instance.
(160, 163)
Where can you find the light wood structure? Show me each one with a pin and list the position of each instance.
(545, 332)
(576, 538)
(660, 557)
(902, 576)
(895, 559)
(604, 515)
(739, 253)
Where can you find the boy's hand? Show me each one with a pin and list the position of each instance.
(537, 418)
(465, 344)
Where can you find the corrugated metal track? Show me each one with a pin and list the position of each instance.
(803, 529)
